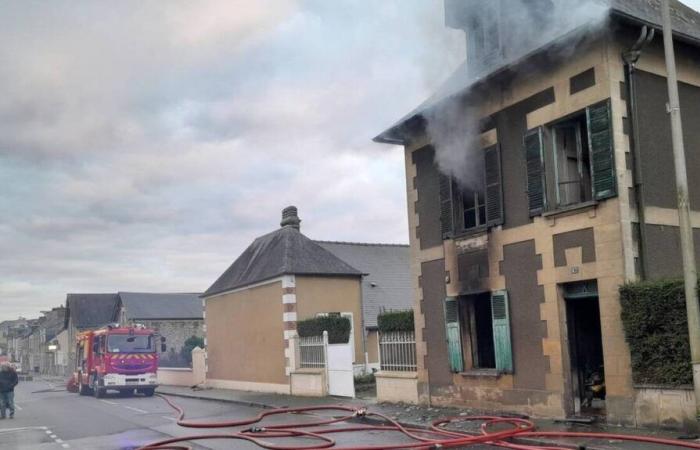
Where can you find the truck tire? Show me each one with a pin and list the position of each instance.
(148, 392)
(99, 392)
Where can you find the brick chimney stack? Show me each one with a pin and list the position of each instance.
(290, 217)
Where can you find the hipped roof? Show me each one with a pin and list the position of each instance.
(285, 251)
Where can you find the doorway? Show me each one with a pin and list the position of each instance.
(585, 348)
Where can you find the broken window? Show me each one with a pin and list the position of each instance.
(477, 328)
(473, 207)
(572, 162)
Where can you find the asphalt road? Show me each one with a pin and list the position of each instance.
(49, 418)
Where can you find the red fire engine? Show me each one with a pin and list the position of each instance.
(117, 358)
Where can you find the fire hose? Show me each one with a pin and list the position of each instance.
(434, 437)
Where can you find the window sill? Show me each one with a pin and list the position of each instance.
(572, 209)
(474, 373)
(482, 229)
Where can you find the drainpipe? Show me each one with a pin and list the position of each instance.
(630, 58)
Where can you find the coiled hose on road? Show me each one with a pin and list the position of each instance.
(435, 437)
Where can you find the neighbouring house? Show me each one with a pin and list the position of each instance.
(386, 284)
(7, 329)
(566, 192)
(176, 316)
(87, 312)
(252, 309)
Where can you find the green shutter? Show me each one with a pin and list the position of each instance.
(534, 163)
(494, 189)
(600, 143)
(501, 331)
(453, 335)
(446, 206)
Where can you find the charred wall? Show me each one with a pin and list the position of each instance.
(427, 183)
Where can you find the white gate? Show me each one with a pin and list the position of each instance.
(341, 381)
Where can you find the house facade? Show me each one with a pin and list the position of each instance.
(252, 309)
(176, 316)
(516, 263)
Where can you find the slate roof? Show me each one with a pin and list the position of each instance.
(92, 310)
(386, 266)
(284, 251)
(146, 305)
(684, 20)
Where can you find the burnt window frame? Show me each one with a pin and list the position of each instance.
(578, 121)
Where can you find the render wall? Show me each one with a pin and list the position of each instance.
(245, 345)
(176, 332)
(316, 295)
(530, 257)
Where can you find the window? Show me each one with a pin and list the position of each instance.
(123, 343)
(572, 162)
(473, 206)
(477, 328)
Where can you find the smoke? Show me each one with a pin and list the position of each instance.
(511, 30)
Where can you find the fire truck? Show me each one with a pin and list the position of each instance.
(113, 357)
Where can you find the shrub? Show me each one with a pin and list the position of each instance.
(656, 328)
(338, 328)
(395, 321)
(189, 345)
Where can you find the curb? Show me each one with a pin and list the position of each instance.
(526, 441)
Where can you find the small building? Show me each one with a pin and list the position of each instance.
(252, 309)
(176, 316)
(386, 284)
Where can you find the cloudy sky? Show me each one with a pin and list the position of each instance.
(144, 144)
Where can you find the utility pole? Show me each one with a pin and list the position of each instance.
(690, 274)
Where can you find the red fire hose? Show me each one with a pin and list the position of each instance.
(435, 437)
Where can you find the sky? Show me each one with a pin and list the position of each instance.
(145, 144)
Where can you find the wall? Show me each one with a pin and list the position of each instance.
(185, 376)
(531, 257)
(176, 332)
(332, 294)
(245, 345)
(665, 408)
(395, 387)
(373, 347)
(309, 382)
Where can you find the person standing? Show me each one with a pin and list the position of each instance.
(8, 381)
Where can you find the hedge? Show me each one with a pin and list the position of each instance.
(656, 329)
(338, 328)
(395, 321)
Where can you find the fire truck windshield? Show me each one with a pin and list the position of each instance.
(124, 343)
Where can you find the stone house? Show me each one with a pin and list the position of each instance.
(251, 310)
(386, 284)
(568, 193)
(177, 316)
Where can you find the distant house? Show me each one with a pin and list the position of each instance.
(176, 316)
(251, 310)
(386, 284)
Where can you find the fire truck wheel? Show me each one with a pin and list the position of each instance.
(148, 392)
(99, 393)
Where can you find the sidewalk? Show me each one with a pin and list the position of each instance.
(421, 416)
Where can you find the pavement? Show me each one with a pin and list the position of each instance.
(419, 416)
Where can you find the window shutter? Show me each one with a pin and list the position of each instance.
(501, 331)
(446, 206)
(454, 335)
(600, 144)
(494, 189)
(535, 171)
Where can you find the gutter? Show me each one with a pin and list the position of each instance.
(630, 59)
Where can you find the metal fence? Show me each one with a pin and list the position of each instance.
(397, 351)
(311, 352)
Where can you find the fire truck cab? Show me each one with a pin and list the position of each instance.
(118, 358)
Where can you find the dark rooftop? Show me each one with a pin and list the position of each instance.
(92, 310)
(147, 305)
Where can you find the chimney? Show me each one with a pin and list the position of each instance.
(290, 217)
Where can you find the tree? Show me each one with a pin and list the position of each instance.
(189, 345)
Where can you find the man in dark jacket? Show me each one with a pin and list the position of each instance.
(8, 381)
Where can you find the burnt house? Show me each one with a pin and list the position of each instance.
(569, 193)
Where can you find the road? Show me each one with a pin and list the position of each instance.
(49, 418)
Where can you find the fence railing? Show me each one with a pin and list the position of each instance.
(311, 352)
(397, 351)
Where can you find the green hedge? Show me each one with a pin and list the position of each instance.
(656, 329)
(338, 328)
(395, 321)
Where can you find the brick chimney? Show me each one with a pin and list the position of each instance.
(290, 217)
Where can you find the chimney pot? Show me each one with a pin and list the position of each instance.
(290, 217)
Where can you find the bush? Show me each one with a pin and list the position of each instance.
(338, 328)
(656, 328)
(395, 321)
(188, 346)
